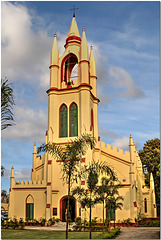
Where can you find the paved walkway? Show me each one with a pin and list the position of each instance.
(139, 233)
(61, 226)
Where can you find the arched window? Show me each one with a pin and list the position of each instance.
(110, 212)
(63, 121)
(69, 68)
(73, 120)
(30, 208)
(145, 205)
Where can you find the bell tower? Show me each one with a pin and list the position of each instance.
(72, 96)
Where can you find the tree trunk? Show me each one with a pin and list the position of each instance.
(110, 216)
(90, 227)
(103, 218)
(68, 208)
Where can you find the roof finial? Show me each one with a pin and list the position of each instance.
(55, 34)
(74, 8)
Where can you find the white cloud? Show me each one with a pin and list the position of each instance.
(30, 125)
(122, 143)
(24, 53)
(107, 133)
(23, 174)
(122, 80)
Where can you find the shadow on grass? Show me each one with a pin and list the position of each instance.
(42, 234)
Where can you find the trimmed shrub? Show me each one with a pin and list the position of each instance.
(86, 228)
(111, 234)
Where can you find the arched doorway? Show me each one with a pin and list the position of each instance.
(63, 208)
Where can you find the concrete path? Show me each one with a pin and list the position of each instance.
(139, 233)
(61, 226)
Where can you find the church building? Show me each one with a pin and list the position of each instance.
(72, 111)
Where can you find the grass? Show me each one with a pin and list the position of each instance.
(42, 234)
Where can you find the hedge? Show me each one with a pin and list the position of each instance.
(111, 234)
(150, 223)
(86, 228)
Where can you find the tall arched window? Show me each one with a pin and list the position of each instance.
(145, 205)
(63, 121)
(110, 212)
(29, 207)
(73, 120)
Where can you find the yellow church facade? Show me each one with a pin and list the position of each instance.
(72, 111)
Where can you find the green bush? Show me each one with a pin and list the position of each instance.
(152, 223)
(57, 220)
(87, 228)
(111, 234)
(78, 220)
(94, 221)
(107, 222)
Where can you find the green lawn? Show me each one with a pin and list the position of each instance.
(42, 234)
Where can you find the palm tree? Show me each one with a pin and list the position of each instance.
(105, 190)
(4, 196)
(70, 157)
(89, 197)
(114, 203)
(7, 101)
(2, 171)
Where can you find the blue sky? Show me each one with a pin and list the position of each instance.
(125, 39)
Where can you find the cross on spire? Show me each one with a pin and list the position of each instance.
(74, 8)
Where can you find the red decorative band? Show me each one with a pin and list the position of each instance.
(49, 161)
(82, 182)
(73, 38)
(135, 204)
(62, 89)
(62, 160)
(32, 170)
(54, 65)
(46, 132)
(84, 61)
(49, 183)
(154, 205)
(47, 205)
(83, 160)
(90, 128)
(99, 138)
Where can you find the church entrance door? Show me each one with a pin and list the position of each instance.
(63, 208)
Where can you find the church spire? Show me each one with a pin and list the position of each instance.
(151, 181)
(34, 150)
(54, 52)
(54, 63)
(131, 143)
(92, 70)
(84, 47)
(92, 63)
(12, 172)
(12, 178)
(73, 31)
